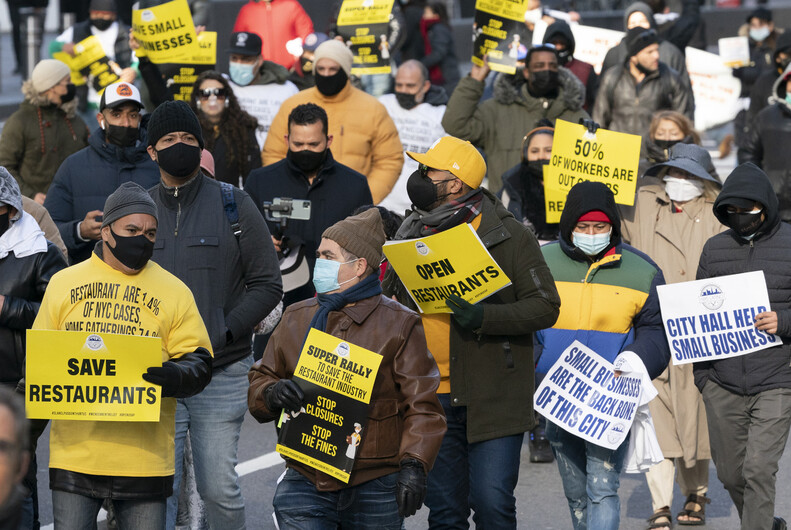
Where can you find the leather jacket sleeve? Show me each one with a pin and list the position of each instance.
(19, 313)
(195, 371)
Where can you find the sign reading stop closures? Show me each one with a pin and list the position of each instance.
(609, 157)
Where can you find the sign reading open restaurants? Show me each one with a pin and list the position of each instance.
(712, 319)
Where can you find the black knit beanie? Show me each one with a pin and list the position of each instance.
(173, 116)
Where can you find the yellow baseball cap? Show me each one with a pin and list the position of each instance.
(456, 156)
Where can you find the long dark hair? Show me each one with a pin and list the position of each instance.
(234, 125)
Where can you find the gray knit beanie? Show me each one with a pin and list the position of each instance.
(129, 198)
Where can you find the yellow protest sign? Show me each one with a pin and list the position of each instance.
(450, 262)
(72, 375)
(364, 26)
(181, 77)
(609, 157)
(89, 61)
(361, 12)
(165, 32)
(497, 31)
(337, 378)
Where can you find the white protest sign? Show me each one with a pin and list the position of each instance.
(712, 319)
(591, 44)
(716, 90)
(581, 395)
(734, 51)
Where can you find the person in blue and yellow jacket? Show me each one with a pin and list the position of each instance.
(608, 303)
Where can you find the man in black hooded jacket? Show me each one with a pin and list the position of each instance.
(748, 398)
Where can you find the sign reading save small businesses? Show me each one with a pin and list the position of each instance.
(609, 157)
(165, 32)
(337, 378)
(451, 262)
(73, 375)
(711, 319)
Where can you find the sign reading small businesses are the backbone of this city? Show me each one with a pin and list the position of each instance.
(714, 318)
(364, 26)
(608, 157)
(337, 378)
(454, 261)
(74, 375)
(166, 33)
(497, 33)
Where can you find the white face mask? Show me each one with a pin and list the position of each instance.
(681, 190)
(591, 244)
(759, 34)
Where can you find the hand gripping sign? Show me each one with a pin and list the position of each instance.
(165, 32)
(711, 319)
(450, 262)
(365, 28)
(609, 157)
(497, 32)
(73, 375)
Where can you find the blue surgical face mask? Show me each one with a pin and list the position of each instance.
(788, 99)
(241, 73)
(759, 34)
(325, 275)
(591, 244)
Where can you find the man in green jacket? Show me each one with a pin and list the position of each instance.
(484, 351)
(542, 90)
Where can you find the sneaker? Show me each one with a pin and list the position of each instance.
(779, 524)
(540, 450)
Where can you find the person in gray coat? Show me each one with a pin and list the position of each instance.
(231, 267)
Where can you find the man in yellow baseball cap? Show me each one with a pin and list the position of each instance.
(484, 351)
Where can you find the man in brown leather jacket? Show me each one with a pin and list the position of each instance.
(405, 422)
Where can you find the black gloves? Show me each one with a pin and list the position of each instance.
(285, 394)
(468, 316)
(410, 487)
(590, 124)
(168, 376)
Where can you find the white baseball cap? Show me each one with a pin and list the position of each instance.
(119, 93)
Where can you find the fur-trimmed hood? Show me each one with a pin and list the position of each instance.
(40, 100)
(509, 89)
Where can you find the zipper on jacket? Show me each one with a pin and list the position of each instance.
(178, 212)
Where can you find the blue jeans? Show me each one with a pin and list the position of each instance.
(591, 476)
(72, 511)
(479, 476)
(370, 505)
(214, 419)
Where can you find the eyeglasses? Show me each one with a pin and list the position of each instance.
(206, 93)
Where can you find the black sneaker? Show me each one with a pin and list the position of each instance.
(540, 450)
(779, 524)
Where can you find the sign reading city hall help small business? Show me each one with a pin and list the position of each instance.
(712, 319)
(337, 378)
(73, 375)
(450, 262)
(581, 395)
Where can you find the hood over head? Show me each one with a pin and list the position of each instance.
(644, 9)
(586, 197)
(9, 193)
(747, 184)
(40, 100)
(783, 44)
(779, 88)
(436, 96)
(560, 27)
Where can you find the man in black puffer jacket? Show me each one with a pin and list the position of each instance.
(748, 398)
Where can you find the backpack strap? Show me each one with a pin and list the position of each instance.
(231, 211)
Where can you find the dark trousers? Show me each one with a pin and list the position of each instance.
(748, 435)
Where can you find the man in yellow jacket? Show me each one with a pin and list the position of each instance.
(365, 137)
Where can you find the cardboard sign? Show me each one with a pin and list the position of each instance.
(337, 378)
(592, 44)
(73, 375)
(451, 262)
(707, 320)
(165, 32)
(365, 26)
(181, 77)
(89, 63)
(497, 32)
(609, 157)
(581, 395)
(734, 51)
(715, 89)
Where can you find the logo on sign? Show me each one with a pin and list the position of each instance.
(712, 297)
(342, 350)
(616, 433)
(147, 15)
(94, 342)
(422, 248)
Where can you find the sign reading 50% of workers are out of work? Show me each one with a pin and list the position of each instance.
(609, 157)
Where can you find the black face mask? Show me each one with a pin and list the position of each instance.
(306, 160)
(642, 69)
(535, 168)
(782, 64)
(543, 82)
(564, 57)
(745, 224)
(121, 136)
(71, 91)
(407, 101)
(101, 23)
(422, 191)
(179, 160)
(330, 85)
(666, 144)
(5, 221)
(133, 251)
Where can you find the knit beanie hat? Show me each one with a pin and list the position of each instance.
(108, 6)
(363, 235)
(47, 74)
(337, 51)
(129, 198)
(173, 116)
(9, 192)
(639, 38)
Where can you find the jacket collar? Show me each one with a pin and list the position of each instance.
(172, 196)
(360, 310)
(492, 231)
(324, 171)
(337, 98)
